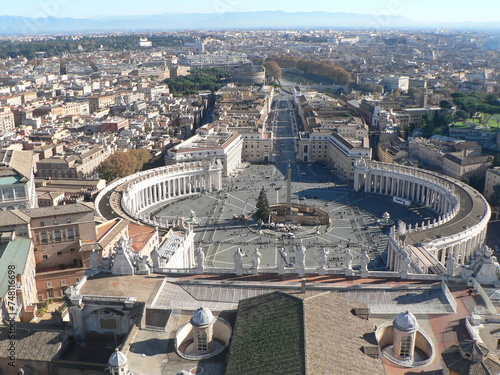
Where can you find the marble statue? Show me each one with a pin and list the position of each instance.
(348, 259)
(322, 261)
(155, 257)
(405, 263)
(257, 256)
(106, 264)
(142, 266)
(486, 268)
(365, 259)
(450, 265)
(94, 260)
(282, 262)
(401, 227)
(122, 264)
(301, 259)
(200, 259)
(238, 261)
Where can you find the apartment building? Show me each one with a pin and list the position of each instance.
(79, 164)
(98, 102)
(6, 120)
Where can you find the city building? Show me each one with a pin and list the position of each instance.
(17, 182)
(340, 152)
(7, 124)
(391, 83)
(210, 143)
(74, 165)
(492, 179)
(18, 293)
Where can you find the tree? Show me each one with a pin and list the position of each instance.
(123, 163)
(262, 212)
(273, 69)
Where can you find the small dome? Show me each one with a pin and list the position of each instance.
(117, 359)
(202, 317)
(405, 322)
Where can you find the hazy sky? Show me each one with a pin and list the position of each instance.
(419, 10)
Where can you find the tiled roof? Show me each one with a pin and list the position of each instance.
(460, 364)
(279, 333)
(59, 210)
(13, 253)
(13, 217)
(33, 345)
(268, 336)
(334, 337)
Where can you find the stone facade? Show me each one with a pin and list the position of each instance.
(459, 231)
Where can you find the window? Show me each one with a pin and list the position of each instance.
(72, 249)
(45, 257)
(63, 282)
(108, 323)
(56, 222)
(42, 224)
(77, 279)
(405, 346)
(71, 233)
(44, 236)
(59, 253)
(49, 284)
(68, 220)
(201, 341)
(57, 234)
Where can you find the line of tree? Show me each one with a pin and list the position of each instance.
(468, 104)
(60, 45)
(273, 70)
(123, 163)
(313, 68)
(200, 79)
(262, 206)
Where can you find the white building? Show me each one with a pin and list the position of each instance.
(340, 152)
(396, 83)
(17, 183)
(209, 145)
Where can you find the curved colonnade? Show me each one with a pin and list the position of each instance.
(459, 232)
(147, 190)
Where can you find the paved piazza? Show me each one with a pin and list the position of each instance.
(353, 217)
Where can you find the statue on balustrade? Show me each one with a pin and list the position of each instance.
(301, 259)
(200, 259)
(257, 256)
(94, 260)
(348, 259)
(155, 257)
(365, 259)
(405, 263)
(282, 261)
(450, 265)
(238, 261)
(322, 261)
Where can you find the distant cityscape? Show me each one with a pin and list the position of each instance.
(229, 199)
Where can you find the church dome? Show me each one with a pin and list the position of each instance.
(117, 359)
(202, 317)
(406, 322)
